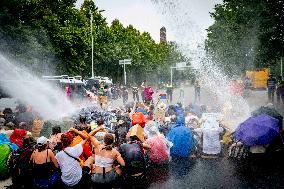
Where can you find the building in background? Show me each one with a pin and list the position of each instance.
(163, 34)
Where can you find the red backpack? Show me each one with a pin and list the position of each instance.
(138, 118)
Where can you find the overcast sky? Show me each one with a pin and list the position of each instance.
(143, 15)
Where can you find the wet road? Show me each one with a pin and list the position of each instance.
(217, 173)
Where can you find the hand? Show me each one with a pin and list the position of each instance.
(101, 128)
(72, 129)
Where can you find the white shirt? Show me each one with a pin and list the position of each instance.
(70, 168)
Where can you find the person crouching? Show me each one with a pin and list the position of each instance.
(44, 164)
(104, 172)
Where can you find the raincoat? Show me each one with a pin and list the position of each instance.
(159, 150)
(180, 136)
(5, 140)
(211, 135)
(18, 137)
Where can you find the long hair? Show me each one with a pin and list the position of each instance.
(108, 140)
(41, 148)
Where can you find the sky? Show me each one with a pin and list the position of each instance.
(143, 15)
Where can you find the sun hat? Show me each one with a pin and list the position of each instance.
(138, 131)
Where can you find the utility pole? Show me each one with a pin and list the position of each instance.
(125, 62)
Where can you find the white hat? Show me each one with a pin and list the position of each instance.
(42, 140)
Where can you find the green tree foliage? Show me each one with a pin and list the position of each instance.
(246, 34)
(54, 34)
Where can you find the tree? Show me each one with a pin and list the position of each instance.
(246, 34)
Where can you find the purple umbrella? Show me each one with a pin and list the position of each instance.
(259, 130)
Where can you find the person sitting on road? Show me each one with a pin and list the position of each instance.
(68, 160)
(133, 154)
(44, 164)
(101, 165)
(159, 152)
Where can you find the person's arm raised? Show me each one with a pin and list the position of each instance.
(80, 133)
(133, 110)
(93, 140)
(93, 132)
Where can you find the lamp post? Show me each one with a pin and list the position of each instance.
(92, 38)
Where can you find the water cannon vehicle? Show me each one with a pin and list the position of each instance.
(95, 81)
(76, 83)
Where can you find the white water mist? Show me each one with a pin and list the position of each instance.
(191, 39)
(45, 99)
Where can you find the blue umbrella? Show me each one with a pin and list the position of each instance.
(259, 130)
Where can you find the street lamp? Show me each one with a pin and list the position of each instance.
(92, 37)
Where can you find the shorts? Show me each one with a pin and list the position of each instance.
(47, 183)
(100, 178)
(103, 100)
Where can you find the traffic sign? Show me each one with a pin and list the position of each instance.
(181, 66)
(125, 61)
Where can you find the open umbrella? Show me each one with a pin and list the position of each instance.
(259, 130)
(269, 110)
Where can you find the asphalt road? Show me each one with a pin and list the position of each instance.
(218, 173)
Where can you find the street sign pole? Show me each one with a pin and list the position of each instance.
(124, 72)
(125, 62)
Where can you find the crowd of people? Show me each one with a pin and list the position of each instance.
(275, 86)
(91, 154)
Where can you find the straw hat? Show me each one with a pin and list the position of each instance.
(138, 131)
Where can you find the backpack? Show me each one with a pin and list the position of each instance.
(138, 118)
(4, 160)
(20, 167)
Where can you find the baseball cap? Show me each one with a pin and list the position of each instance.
(42, 140)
